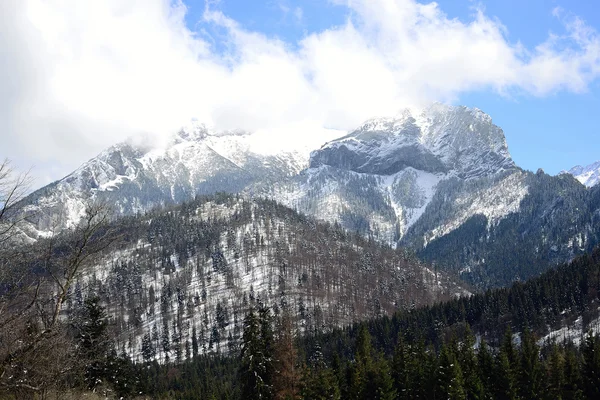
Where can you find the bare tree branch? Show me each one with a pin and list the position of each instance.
(13, 188)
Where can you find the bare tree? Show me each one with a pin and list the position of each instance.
(13, 187)
(68, 254)
(36, 350)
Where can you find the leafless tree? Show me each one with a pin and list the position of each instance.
(36, 351)
(13, 187)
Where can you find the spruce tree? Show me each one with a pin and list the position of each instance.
(591, 366)
(148, 350)
(256, 360)
(486, 370)
(468, 364)
(530, 371)
(450, 380)
(400, 371)
(555, 372)
(94, 343)
(505, 382)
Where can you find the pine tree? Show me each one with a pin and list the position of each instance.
(468, 364)
(148, 350)
(572, 372)
(194, 341)
(255, 368)
(93, 340)
(362, 381)
(555, 373)
(421, 366)
(400, 371)
(450, 381)
(530, 371)
(485, 367)
(267, 338)
(319, 383)
(591, 366)
(505, 382)
(384, 383)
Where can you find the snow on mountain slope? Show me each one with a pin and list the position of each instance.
(194, 161)
(494, 202)
(381, 178)
(588, 176)
(191, 273)
(428, 179)
(440, 139)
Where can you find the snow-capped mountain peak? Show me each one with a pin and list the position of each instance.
(439, 138)
(589, 175)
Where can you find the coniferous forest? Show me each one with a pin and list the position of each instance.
(486, 346)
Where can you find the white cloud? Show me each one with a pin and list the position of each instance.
(77, 76)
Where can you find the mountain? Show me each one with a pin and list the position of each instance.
(135, 178)
(589, 176)
(381, 177)
(189, 273)
(439, 180)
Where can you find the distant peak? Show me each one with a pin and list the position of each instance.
(588, 175)
(194, 130)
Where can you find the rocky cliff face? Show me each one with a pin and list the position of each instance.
(440, 139)
(382, 176)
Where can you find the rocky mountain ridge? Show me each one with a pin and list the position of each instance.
(422, 179)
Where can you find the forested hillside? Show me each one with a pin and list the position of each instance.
(556, 220)
(188, 273)
(177, 283)
(462, 349)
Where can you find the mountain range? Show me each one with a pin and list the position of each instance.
(439, 180)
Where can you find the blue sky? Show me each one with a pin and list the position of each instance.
(290, 69)
(553, 132)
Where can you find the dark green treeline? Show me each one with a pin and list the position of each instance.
(462, 349)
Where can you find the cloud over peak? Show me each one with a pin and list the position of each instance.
(78, 76)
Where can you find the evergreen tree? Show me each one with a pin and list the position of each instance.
(505, 387)
(362, 382)
(555, 373)
(381, 376)
(93, 340)
(450, 380)
(319, 383)
(468, 362)
(400, 371)
(505, 382)
(572, 374)
(486, 369)
(194, 341)
(255, 359)
(530, 371)
(591, 366)
(421, 366)
(267, 341)
(148, 350)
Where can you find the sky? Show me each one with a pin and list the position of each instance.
(78, 76)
